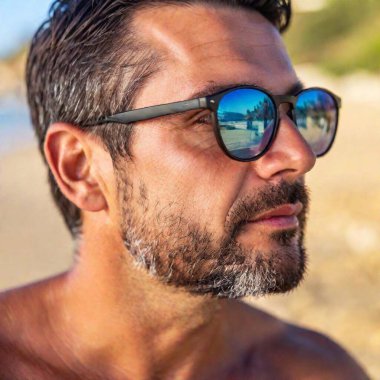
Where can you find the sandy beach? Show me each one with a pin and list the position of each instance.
(340, 296)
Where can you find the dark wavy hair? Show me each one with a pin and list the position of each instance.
(86, 61)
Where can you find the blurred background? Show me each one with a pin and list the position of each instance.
(334, 43)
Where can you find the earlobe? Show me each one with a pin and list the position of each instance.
(70, 159)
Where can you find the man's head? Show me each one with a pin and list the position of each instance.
(185, 211)
(87, 61)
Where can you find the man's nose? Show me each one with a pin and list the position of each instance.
(289, 156)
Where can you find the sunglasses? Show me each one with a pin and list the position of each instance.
(246, 118)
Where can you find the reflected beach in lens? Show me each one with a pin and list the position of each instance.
(246, 121)
(316, 117)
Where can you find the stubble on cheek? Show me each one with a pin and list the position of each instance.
(183, 253)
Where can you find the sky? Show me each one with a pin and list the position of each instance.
(19, 19)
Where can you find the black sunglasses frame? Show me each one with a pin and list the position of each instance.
(211, 102)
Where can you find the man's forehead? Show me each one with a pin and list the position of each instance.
(190, 34)
(204, 49)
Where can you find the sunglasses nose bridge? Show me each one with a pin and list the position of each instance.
(286, 99)
(290, 101)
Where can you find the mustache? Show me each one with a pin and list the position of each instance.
(265, 199)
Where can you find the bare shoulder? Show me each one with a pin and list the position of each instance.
(16, 306)
(7, 315)
(24, 309)
(294, 352)
(319, 356)
(23, 320)
(9, 334)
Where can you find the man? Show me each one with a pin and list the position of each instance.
(177, 210)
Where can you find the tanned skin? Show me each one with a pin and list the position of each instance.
(107, 319)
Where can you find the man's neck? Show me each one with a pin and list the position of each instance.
(110, 309)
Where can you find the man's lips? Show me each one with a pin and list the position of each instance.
(284, 216)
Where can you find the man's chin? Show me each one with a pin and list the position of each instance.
(263, 273)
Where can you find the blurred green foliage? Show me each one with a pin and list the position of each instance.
(342, 37)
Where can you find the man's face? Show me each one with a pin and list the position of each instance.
(187, 210)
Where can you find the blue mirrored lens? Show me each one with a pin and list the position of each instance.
(316, 117)
(246, 119)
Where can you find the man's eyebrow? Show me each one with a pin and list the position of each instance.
(213, 88)
(295, 88)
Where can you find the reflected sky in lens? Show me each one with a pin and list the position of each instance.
(246, 121)
(241, 100)
(316, 116)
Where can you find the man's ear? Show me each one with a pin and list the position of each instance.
(69, 155)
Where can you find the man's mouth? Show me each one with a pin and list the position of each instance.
(282, 217)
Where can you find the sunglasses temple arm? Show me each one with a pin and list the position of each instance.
(155, 111)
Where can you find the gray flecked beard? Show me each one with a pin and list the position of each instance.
(183, 253)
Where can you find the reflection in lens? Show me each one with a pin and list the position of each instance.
(246, 120)
(316, 116)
